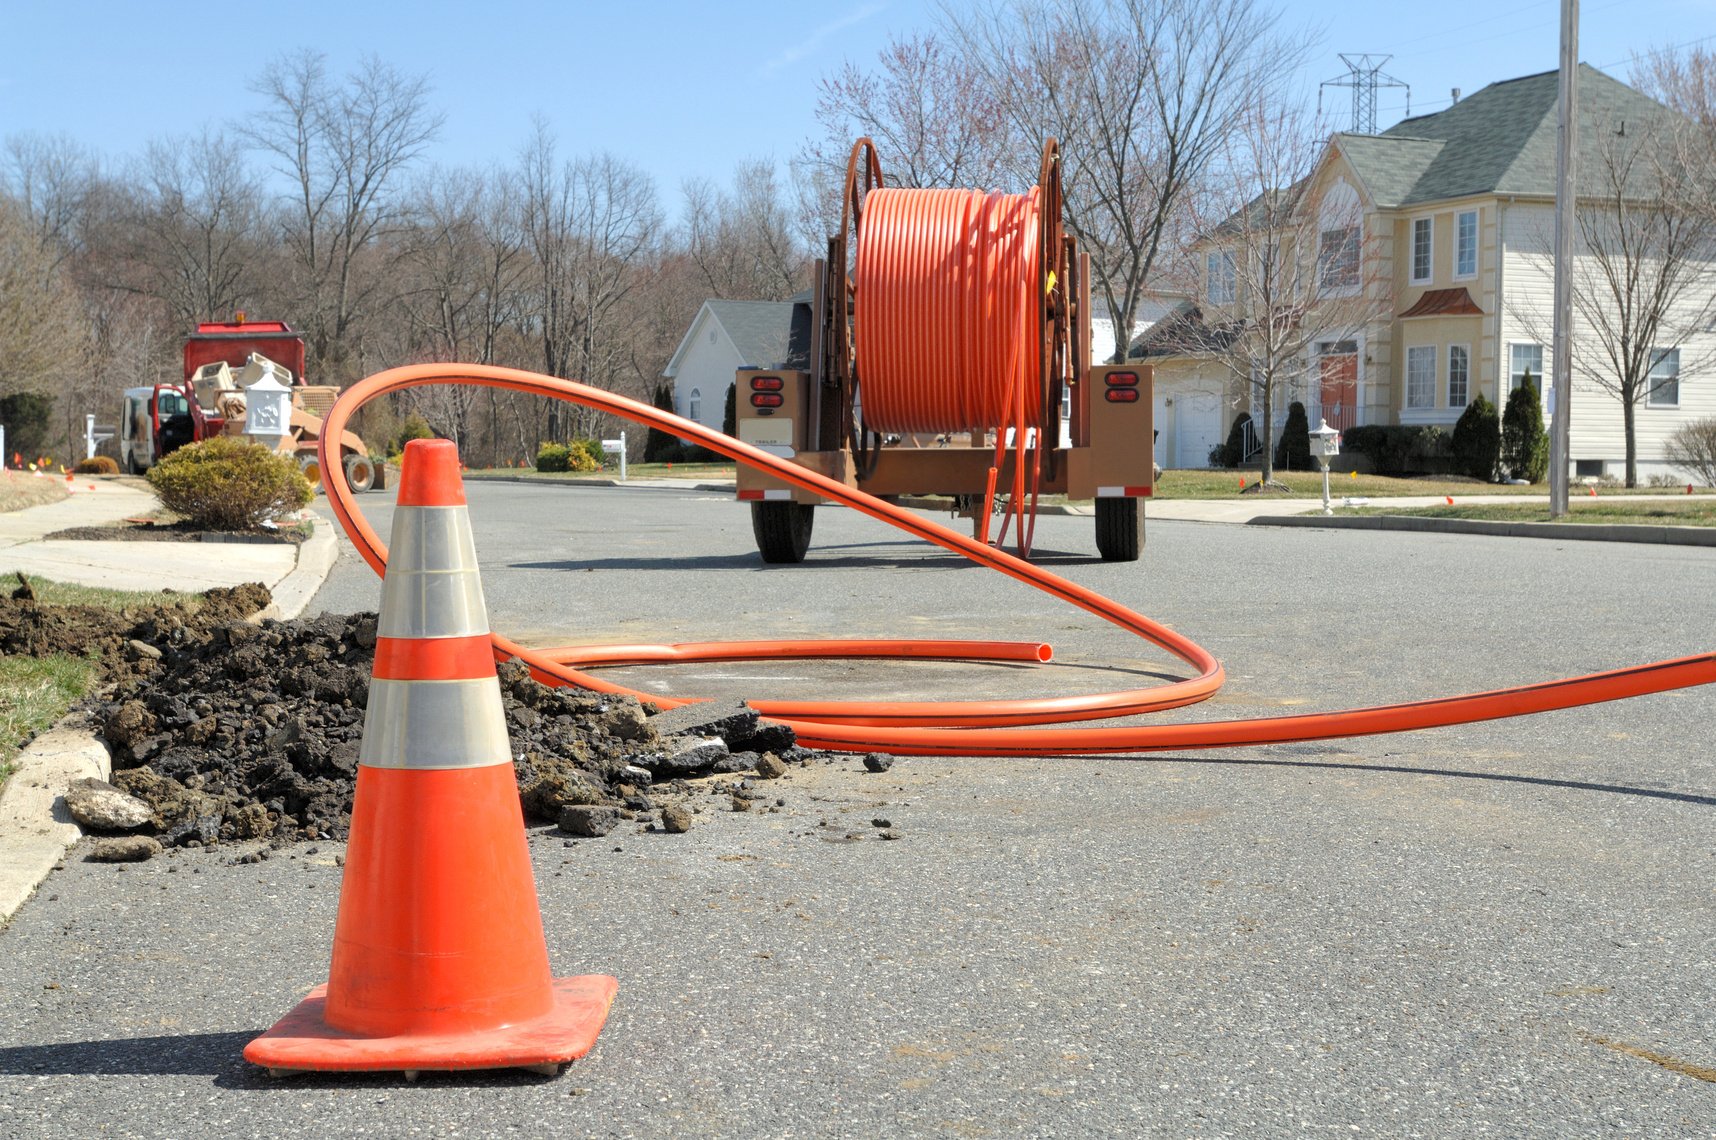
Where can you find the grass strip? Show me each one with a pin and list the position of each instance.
(34, 693)
(1694, 512)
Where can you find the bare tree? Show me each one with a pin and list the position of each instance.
(1644, 272)
(51, 178)
(593, 227)
(1271, 281)
(44, 341)
(463, 269)
(742, 240)
(342, 147)
(1142, 94)
(926, 106)
(1685, 80)
(191, 228)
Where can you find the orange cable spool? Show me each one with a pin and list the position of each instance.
(947, 321)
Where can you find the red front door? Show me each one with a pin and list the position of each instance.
(1339, 375)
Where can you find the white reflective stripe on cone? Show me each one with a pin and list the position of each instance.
(431, 588)
(434, 724)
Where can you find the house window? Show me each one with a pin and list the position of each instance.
(1663, 385)
(1525, 360)
(1338, 257)
(694, 406)
(1421, 376)
(1466, 244)
(1459, 375)
(1422, 231)
(1221, 274)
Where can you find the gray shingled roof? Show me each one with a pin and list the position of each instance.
(1501, 140)
(759, 329)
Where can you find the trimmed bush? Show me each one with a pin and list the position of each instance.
(28, 417)
(1232, 453)
(1478, 440)
(1293, 452)
(414, 427)
(1693, 449)
(659, 446)
(226, 483)
(97, 465)
(1525, 445)
(1398, 449)
(554, 457)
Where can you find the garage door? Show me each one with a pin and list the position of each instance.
(1197, 428)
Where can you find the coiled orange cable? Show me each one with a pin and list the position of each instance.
(970, 728)
(947, 321)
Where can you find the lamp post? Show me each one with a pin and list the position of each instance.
(267, 405)
(1326, 442)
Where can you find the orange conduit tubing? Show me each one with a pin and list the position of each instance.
(947, 321)
(975, 728)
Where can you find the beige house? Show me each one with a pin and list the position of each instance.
(1454, 218)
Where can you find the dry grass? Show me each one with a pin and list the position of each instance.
(20, 489)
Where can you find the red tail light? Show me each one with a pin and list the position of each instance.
(1115, 395)
(767, 399)
(766, 384)
(1121, 379)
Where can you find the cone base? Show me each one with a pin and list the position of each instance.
(303, 1042)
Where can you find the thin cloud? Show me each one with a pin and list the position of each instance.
(813, 41)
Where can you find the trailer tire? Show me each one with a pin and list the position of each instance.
(1119, 530)
(782, 530)
(360, 472)
(311, 466)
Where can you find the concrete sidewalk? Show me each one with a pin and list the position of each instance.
(291, 572)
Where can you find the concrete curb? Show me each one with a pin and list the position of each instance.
(1577, 532)
(316, 556)
(35, 829)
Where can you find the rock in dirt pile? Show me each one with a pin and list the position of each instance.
(235, 731)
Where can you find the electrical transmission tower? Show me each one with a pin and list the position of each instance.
(1364, 75)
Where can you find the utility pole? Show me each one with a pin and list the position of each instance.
(1566, 206)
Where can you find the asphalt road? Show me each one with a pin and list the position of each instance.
(1503, 929)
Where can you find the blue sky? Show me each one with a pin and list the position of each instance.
(680, 89)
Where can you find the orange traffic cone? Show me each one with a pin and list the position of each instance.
(439, 960)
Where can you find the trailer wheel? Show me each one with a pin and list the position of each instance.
(782, 530)
(360, 472)
(311, 466)
(1119, 530)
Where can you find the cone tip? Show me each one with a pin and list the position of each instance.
(429, 474)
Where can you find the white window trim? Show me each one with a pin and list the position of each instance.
(1223, 262)
(694, 405)
(1448, 377)
(1332, 289)
(1657, 353)
(1412, 277)
(1507, 376)
(1477, 244)
(1407, 407)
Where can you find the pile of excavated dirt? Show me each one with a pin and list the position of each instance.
(129, 640)
(233, 731)
(254, 731)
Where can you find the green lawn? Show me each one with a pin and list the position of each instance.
(1695, 510)
(34, 693)
(1212, 484)
(712, 471)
